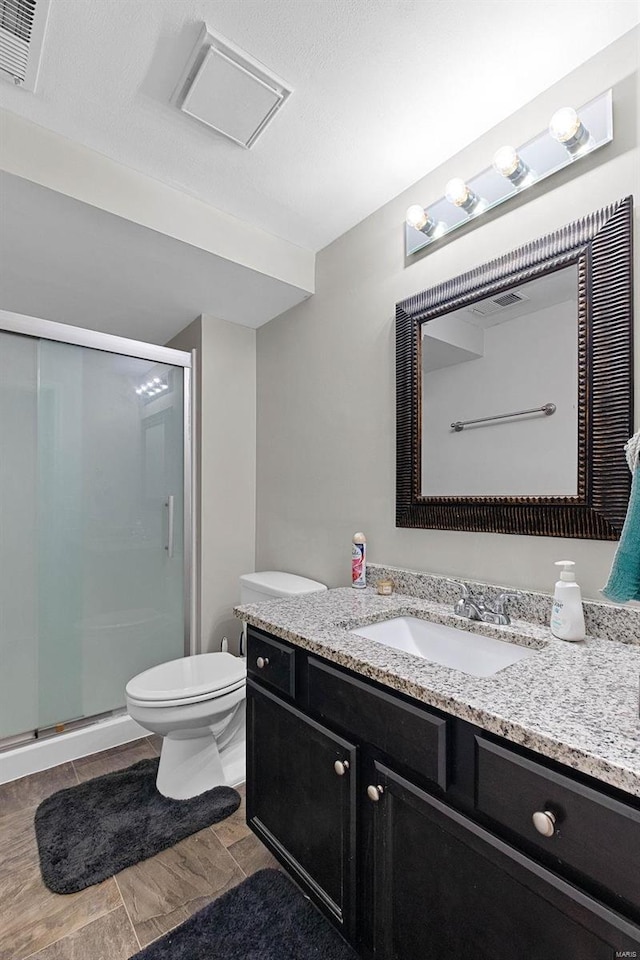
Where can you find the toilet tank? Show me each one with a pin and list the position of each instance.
(270, 584)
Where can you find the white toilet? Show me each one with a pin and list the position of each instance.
(198, 703)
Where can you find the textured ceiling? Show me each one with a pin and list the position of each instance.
(385, 90)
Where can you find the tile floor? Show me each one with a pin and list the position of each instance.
(113, 920)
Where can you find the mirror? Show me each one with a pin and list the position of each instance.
(514, 389)
(483, 365)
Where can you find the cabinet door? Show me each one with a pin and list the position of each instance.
(301, 800)
(444, 887)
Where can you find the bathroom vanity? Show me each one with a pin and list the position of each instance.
(425, 832)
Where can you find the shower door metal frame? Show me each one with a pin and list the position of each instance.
(36, 328)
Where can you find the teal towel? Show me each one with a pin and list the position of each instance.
(624, 580)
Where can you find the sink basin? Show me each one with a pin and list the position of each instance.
(468, 652)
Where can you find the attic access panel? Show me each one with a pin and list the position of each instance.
(228, 91)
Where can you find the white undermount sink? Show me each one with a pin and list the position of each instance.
(461, 650)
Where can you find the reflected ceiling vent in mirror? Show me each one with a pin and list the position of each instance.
(508, 299)
(22, 28)
(487, 307)
(227, 90)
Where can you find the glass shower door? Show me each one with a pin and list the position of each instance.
(95, 510)
(110, 452)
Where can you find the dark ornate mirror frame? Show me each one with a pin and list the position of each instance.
(601, 247)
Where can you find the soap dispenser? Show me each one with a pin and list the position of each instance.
(567, 615)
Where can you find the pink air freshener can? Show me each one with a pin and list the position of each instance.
(359, 561)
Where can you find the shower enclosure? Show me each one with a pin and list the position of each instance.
(95, 521)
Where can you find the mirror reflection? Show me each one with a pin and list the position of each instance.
(509, 361)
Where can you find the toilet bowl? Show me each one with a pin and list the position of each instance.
(197, 703)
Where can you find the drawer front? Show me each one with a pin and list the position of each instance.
(271, 662)
(409, 734)
(593, 833)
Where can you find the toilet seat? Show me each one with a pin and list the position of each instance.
(205, 676)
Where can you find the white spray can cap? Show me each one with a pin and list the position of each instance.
(566, 573)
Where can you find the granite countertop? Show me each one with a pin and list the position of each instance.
(576, 703)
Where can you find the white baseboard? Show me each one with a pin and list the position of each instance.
(42, 754)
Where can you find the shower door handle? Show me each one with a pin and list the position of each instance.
(169, 504)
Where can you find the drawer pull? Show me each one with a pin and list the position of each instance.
(341, 767)
(262, 662)
(374, 793)
(544, 822)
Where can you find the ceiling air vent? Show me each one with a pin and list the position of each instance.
(226, 89)
(508, 299)
(22, 27)
(487, 308)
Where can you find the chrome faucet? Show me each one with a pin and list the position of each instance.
(476, 608)
(467, 606)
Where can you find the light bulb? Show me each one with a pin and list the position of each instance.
(564, 124)
(506, 160)
(567, 128)
(156, 379)
(416, 217)
(419, 219)
(510, 164)
(461, 195)
(457, 192)
(165, 386)
(139, 390)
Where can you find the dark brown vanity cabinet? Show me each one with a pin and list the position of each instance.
(301, 795)
(443, 886)
(412, 831)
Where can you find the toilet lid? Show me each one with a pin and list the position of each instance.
(189, 677)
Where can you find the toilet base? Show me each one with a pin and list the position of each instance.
(203, 741)
(189, 767)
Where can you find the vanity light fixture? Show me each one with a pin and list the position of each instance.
(571, 135)
(508, 162)
(568, 129)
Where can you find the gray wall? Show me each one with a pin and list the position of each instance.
(225, 434)
(326, 390)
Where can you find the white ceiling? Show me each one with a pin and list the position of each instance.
(384, 91)
(64, 260)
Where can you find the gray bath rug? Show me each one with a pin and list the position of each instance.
(89, 832)
(264, 918)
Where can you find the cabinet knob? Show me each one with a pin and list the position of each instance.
(545, 822)
(374, 793)
(341, 767)
(262, 662)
